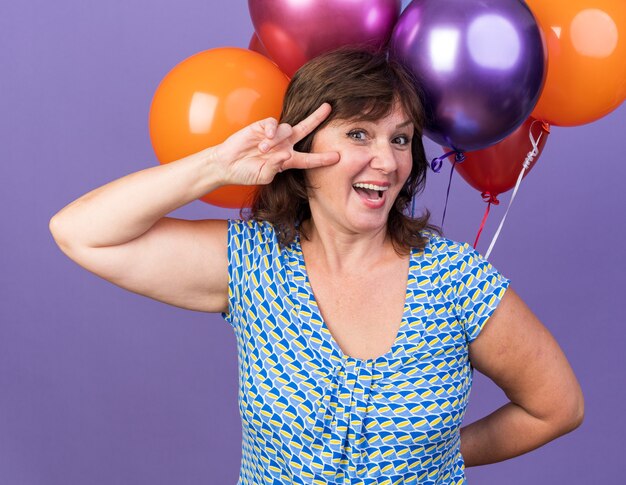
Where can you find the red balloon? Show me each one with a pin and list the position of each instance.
(257, 46)
(495, 169)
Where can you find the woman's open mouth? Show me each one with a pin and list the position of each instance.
(373, 195)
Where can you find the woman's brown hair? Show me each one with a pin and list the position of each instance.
(358, 84)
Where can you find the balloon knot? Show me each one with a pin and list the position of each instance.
(491, 198)
(436, 164)
(527, 162)
(530, 157)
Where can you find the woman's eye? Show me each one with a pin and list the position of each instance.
(357, 135)
(401, 140)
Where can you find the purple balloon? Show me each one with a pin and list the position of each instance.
(296, 31)
(480, 63)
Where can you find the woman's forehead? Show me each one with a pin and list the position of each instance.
(396, 116)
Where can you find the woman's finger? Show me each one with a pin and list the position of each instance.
(282, 133)
(278, 159)
(310, 160)
(297, 132)
(311, 122)
(266, 129)
(269, 127)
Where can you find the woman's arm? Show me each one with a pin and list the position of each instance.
(119, 231)
(520, 355)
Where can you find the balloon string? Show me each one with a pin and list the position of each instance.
(459, 157)
(435, 166)
(525, 166)
(491, 199)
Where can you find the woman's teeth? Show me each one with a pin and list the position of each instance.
(370, 190)
(370, 186)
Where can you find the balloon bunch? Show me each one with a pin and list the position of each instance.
(498, 73)
(214, 93)
(495, 74)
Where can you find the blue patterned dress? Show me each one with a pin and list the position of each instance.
(313, 415)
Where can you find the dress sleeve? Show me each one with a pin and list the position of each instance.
(251, 244)
(479, 288)
(241, 237)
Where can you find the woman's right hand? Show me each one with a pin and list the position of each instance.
(256, 153)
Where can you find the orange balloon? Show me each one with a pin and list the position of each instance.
(208, 97)
(586, 42)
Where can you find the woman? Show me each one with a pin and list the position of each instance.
(357, 326)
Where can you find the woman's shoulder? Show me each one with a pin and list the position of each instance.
(450, 255)
(460, 260)
(251, 231)
(250, 225)
(437, 244)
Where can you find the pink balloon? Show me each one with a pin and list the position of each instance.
(294, 32)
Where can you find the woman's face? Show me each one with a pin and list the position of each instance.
(356, 194)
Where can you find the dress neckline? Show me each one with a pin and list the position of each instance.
(326, 331)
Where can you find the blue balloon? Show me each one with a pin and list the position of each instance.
(481, 65)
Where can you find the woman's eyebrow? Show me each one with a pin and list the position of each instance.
(404, 123)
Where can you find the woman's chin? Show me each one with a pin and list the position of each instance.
(369, 222)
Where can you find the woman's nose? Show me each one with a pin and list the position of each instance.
(383, 159)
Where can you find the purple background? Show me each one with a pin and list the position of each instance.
(101, 386)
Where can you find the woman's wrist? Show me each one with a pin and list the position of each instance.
(210, 171)
(508, 432)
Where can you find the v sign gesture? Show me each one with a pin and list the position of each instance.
(119, 231)
(256, 153)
